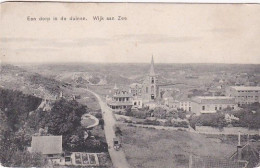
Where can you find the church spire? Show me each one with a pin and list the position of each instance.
(152, 73)
(115, 87)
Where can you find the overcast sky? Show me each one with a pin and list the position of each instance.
(172, 33)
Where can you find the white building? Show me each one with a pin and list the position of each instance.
(211, 104)
(244, 94)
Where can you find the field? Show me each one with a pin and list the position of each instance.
(160, 148)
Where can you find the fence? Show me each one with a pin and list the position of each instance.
(226, 130)
(209, 162)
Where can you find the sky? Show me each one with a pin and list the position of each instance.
(172, 33)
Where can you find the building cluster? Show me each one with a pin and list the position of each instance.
(151, 93)
(136, 95)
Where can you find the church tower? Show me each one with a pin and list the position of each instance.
(149, 92)
(152, 78)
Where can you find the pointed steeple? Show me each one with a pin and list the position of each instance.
(152, 73)
(115, 87)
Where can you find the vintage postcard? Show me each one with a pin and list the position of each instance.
(129, 85)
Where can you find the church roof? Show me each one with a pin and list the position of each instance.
(152, 73)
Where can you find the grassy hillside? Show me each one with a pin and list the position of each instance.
(149, 148)
(16, 78)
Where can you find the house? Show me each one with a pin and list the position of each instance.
(51, 146)
(247, 153)
(211, 104)
(121, 99)
(171, 103)
(136, 89)
(185, 104)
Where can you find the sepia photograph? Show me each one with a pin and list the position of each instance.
(129, 85)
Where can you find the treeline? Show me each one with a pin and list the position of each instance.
(249, 116)
(17, 106)
(15, 136)
(64, 119)
(51, 85)
(216, 120)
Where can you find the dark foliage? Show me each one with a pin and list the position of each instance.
(249, 116)
(17, 106)
(216, 120)
(64, 119)
(14, 135)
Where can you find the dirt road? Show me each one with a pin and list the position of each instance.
(118, 157)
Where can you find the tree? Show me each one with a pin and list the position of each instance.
(65, 119)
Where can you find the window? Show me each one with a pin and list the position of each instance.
(152, 80)
(216, 108)
(146, 89)
(152, 96)
(203, 108)
(152, 89)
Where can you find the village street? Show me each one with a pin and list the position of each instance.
(118, 157)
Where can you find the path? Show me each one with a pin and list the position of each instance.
(118, 157)
(92, 118)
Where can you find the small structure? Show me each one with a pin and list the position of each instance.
(51, 146)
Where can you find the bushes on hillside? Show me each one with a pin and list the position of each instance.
(13, 147)
(64, 119)
(214, 120)
(249, 116)
(17, 106)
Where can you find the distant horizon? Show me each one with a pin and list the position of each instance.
(23, 63)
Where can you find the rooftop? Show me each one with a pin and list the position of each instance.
(133, 85)
(246, 87)
(214, 99)
(47, 144)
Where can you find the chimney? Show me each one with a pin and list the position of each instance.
(239, 148)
